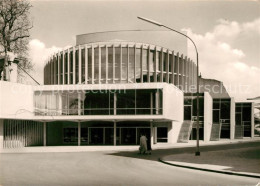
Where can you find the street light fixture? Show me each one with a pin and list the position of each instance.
(197, 153)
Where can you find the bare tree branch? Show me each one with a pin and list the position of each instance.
(14, 28)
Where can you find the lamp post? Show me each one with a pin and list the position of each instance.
(197, 153)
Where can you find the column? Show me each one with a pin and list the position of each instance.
(74, 66)
(68, 66)
(141, 65)
(63, 67)
(161, 76)
(79, 104)
(80, 65)
(157, 102)
(135, 64)
(86, 64)
(104, 135)
(155, 135)
(152, 133)
(232, 118)
(252, 120)
(178, 70)
(44, 134)
(79, 133)
(115, 103)
(1, 134)
(148, 64)
(155, 65)
(167, 67)
(114, 133)
(173, 59)
(208, 103)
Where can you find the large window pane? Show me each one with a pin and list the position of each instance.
(126, 102)
(96, 103)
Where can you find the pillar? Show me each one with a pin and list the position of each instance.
(1, 133)
(252, 120)
(155, 135)
(208, 103)
(232, 118)
(44, 134)
(79, 133)
(114, 133)
(152, 133)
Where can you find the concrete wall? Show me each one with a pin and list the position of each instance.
(208, 104)
(173, 103)
(173, 131)
(16, 101)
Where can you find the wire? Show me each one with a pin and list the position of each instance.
(28, 74)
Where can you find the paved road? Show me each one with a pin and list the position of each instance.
(102, 168)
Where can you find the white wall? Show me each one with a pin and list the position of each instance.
(208, 103)
(16, 101)
(232, 118)
(173, 131)
(173, 99)
(173, 103)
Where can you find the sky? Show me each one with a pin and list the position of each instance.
(227, 33)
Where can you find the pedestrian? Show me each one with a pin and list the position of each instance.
(143, 144)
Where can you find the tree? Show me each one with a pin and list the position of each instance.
(14, 32)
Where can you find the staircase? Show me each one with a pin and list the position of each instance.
(185, 131)
(215, 131)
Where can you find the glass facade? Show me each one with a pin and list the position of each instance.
(221, 115)
(119, 63)
(243, 118)
(190, 113)
(98, 102)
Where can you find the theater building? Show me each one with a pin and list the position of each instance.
(111, 87)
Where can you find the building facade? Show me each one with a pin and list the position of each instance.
(113, 86)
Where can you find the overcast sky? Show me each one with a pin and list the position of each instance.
(227, 33)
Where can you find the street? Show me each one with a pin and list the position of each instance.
(102, 168)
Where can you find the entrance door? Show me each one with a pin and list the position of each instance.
(128, 136)
(109, 136)
(96, 136)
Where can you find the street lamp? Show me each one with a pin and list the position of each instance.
(197, 153)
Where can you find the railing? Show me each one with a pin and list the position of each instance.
(99, 111)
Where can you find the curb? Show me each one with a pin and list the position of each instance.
(210, 170)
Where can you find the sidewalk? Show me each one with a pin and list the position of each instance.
(41, 149)
(242, 159)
